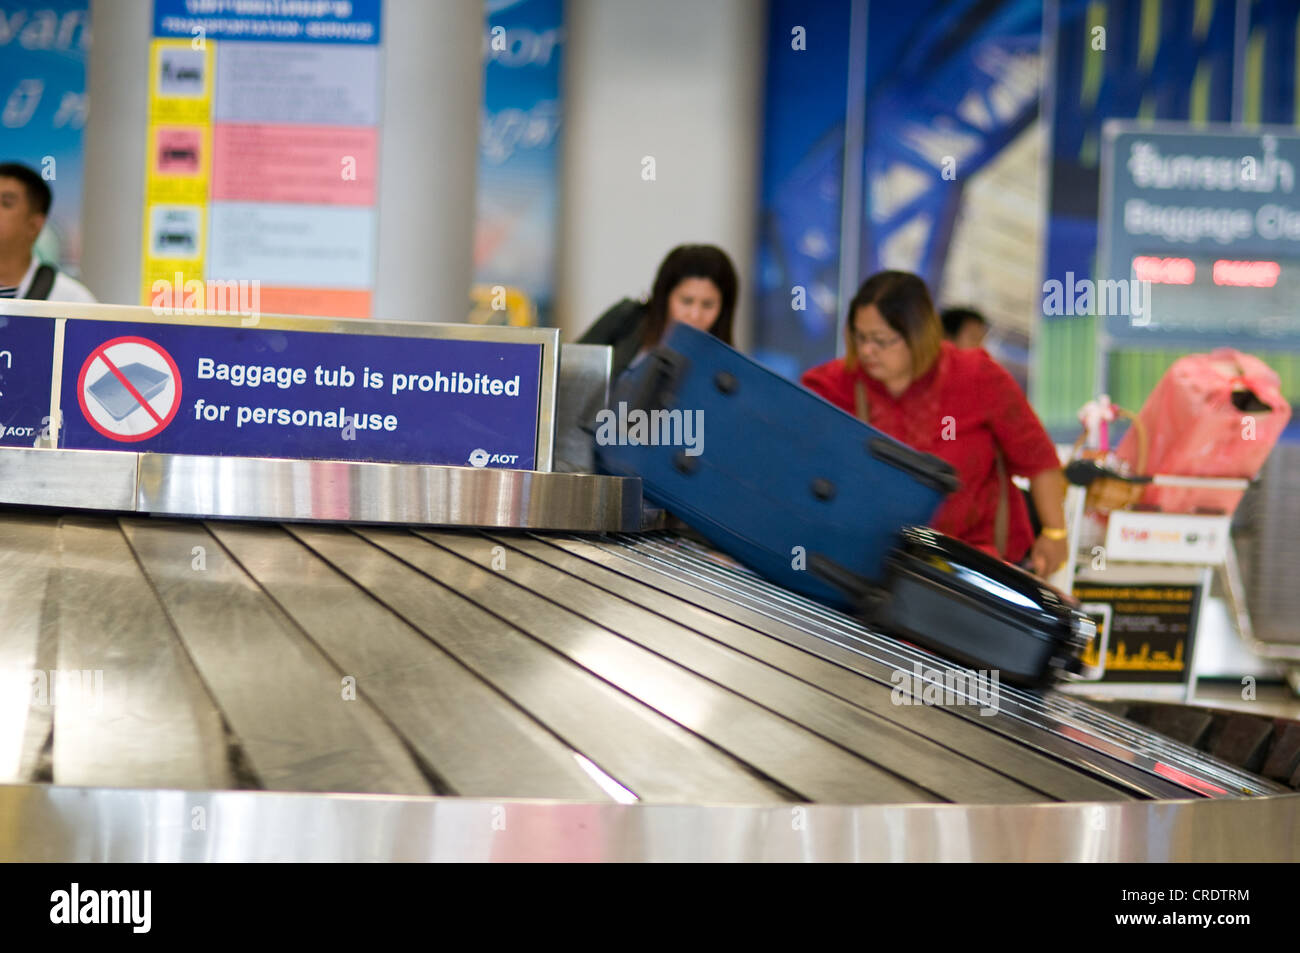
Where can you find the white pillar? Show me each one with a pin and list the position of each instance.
(428, 160)
(117, 86)
(679, 81)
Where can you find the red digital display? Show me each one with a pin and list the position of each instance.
(1233, 297)
(1164, 271)
(1246, 274)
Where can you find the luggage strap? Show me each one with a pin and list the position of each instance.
(1001, 529)
(42, 283)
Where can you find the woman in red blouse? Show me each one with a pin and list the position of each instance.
(900, 376)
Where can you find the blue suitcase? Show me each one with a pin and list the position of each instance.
(766, 471)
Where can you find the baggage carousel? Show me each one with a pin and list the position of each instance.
(342, 678)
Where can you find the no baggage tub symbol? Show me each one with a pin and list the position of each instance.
(129, 389)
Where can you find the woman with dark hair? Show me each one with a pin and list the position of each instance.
(900, 375)
(696, 285)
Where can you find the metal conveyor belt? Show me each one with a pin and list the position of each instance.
(324, 658)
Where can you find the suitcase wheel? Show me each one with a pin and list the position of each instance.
(726, 382)
(684, 464)
(823, 489)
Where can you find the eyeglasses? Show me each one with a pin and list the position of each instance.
(881, 343)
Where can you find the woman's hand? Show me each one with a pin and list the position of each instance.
(1048, 555)
(1048, 491)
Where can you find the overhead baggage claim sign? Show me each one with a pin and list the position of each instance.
(470, 398)
(1207, 220)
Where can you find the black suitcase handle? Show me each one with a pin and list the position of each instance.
(870, 597)
(925, 467)
(657, 389)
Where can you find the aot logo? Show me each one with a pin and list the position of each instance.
(481, 458)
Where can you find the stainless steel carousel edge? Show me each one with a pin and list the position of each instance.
(69, 824)
(318, 490)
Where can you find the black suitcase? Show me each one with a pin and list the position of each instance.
(964, 604)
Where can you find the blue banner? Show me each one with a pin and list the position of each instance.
(26, 369)
(43, 48)
(299, 394)
(518, 169)
(938, 90)
(287, 21)
(801, 185)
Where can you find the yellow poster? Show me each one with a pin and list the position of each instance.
(173, 247)
(179, 164)
(181, 80)
(178, 168)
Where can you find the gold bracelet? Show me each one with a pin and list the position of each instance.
(1052, 532)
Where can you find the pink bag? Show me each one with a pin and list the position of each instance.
(1216, 414)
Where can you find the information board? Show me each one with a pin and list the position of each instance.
(1207, 220)
(263, 150)
(1145, 631)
